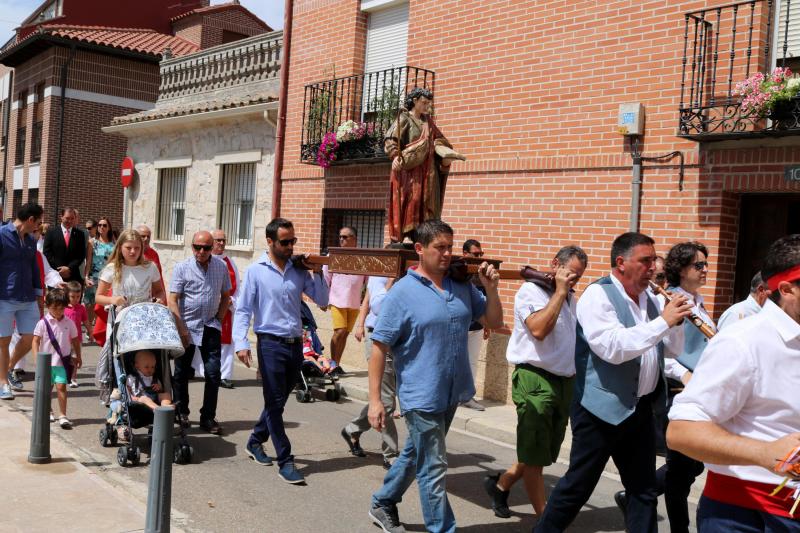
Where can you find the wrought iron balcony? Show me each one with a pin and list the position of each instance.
(372, 101)
(722, 46)
(228, 66)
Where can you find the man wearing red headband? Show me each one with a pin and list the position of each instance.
(740, 413)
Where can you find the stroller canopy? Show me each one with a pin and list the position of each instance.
(147, 326)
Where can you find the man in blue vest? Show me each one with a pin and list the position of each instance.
(619, 383)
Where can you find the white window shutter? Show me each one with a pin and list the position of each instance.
(793, 50)
(387, 38)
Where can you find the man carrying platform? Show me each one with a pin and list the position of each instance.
(424, 322)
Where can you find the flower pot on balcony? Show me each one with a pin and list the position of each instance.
(784, 114)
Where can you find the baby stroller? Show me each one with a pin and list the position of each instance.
(311, 377)
(144, 326)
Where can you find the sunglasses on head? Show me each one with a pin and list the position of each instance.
(287, 242)
(700, 265)
(204, 247)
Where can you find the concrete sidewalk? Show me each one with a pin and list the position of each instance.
(63, 495)
(498, 422)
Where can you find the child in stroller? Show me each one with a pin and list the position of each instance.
(142, 339)
(317, 371)
(144, 388)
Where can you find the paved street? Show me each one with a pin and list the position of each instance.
(223, 491)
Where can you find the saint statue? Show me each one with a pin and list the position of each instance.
(421, 158)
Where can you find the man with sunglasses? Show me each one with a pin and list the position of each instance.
(344, 298)
(199, 295)
(218, 251)
(477, 333)
(272, 293)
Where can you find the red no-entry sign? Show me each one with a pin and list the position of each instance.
(127, 172)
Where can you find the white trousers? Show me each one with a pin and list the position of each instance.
(474, 344)
(226, 366)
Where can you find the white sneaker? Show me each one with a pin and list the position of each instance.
(472, 403)
(5, 392)
(64, 422)
(73, 384)
(52, 417)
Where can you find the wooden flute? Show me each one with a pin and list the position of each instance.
(704, 328)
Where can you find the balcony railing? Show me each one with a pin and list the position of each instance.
(250, 60)
(373, 100)
(722, 46)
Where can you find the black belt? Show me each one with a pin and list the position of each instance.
(282, 340)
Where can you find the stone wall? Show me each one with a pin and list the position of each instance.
(202, 144)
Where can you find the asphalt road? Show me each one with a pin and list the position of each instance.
(222, 490)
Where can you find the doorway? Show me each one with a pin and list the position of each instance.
(763, 219)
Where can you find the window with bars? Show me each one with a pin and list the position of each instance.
(369, 225)
(237, 202)
(36, 142)
(171, 204)
(19, 155)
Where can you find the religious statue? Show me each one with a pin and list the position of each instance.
(421, 158)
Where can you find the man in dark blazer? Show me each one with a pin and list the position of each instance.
(65, 247)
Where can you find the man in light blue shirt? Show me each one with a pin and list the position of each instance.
(424, 322)
(272, 292)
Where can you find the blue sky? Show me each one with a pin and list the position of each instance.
(12, 12)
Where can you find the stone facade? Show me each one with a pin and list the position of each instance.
(200, 146)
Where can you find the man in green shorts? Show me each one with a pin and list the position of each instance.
(542, 348)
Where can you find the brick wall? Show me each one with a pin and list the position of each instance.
(206, 30)
(529, 92)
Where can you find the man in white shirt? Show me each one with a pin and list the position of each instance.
(619, 383)
(759, 292)
(740, 412)
(542, 348)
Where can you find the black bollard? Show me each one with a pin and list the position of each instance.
(159, 494)
(40, 424)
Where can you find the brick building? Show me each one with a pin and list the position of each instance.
(105, 61)
(530, 93)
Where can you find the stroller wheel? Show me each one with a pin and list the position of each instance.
(336, 394)
(299, 395)
(134, 455)
(112, 436)
(183, 454)
(102, 436)
(330, 395)
(306, 396)
(122, 456)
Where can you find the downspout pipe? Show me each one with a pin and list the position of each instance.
(62, 106)
(280, 135)
(636, 191)
(6, 128)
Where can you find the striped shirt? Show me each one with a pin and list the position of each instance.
(201, 291)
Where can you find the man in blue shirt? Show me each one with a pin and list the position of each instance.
(424, 322)
(272, 292)
(199, 296)
(20, 290)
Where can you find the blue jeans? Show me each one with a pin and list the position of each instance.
(211, 351)
(280, 370)
(718, 517)
(424, 458)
